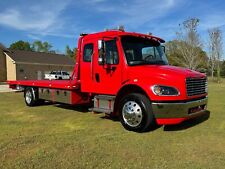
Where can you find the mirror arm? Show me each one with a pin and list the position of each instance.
(101, 52)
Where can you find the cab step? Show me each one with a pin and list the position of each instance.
(103, 104)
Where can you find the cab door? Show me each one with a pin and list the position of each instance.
(107, 76)
(86, 65)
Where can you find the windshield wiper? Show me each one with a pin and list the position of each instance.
(159, 62)
(136, 62)
(143, 62)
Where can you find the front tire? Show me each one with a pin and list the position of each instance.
(136, 113)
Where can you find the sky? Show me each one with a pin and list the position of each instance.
(60, 22)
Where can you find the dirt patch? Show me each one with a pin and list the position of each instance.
(5, 88)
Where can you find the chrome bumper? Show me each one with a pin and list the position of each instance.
(180, 110)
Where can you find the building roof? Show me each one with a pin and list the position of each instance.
(2, 47)
(20, 56)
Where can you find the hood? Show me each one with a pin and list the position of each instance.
(163, 72)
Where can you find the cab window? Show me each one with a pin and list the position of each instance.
(88, 52)
(112, 56)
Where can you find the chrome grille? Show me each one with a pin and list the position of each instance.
(196, 86)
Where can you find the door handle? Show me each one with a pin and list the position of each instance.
(97, 77)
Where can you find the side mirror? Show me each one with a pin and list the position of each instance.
(100, 44)
(101, 52)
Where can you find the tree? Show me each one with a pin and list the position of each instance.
(36, 46)
(222, 73)
(189, 43)
(46, 47)
(175, 56)
(71, 52)
(75, 52)
(21, 45)
(39, 46)
(215, 50)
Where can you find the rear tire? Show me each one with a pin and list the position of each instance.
(136, 113)
(31, 97)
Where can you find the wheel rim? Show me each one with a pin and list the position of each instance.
(28, 97)
(132, 114)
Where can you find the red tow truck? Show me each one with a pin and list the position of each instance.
(125, 74)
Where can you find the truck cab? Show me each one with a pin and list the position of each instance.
(127, 74)
(132, 66)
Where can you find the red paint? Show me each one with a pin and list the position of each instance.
(170, 121)
(98, 103)
(84, 84)
(110, 104)
(79, 98)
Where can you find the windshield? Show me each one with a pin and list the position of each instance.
(139, 51)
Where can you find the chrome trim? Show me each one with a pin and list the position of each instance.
(177, 110)
(33, 92)
(104, 103)
(56, 95)
(28, 96)
(196, 86)
(132, 113)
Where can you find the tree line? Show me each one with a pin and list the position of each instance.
(186, 50)
(39, 46)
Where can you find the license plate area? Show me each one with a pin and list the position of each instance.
(196, 109)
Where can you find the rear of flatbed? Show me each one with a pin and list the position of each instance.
(61, 91)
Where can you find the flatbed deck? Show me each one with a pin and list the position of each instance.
(54, 84)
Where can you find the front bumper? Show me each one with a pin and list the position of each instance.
(175, 113)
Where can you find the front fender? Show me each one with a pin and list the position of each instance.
(146, 83)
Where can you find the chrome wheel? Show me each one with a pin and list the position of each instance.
(132, 114)
(28, 96)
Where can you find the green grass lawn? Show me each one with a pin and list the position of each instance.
(50, 136)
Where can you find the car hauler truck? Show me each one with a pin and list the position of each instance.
(127, 75)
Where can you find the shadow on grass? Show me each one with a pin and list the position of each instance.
(42, 103)
(189, 123)
(108, 117)
(80, 108)
(117, 119)
(185, 125)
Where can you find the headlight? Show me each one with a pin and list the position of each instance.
(164, 90)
